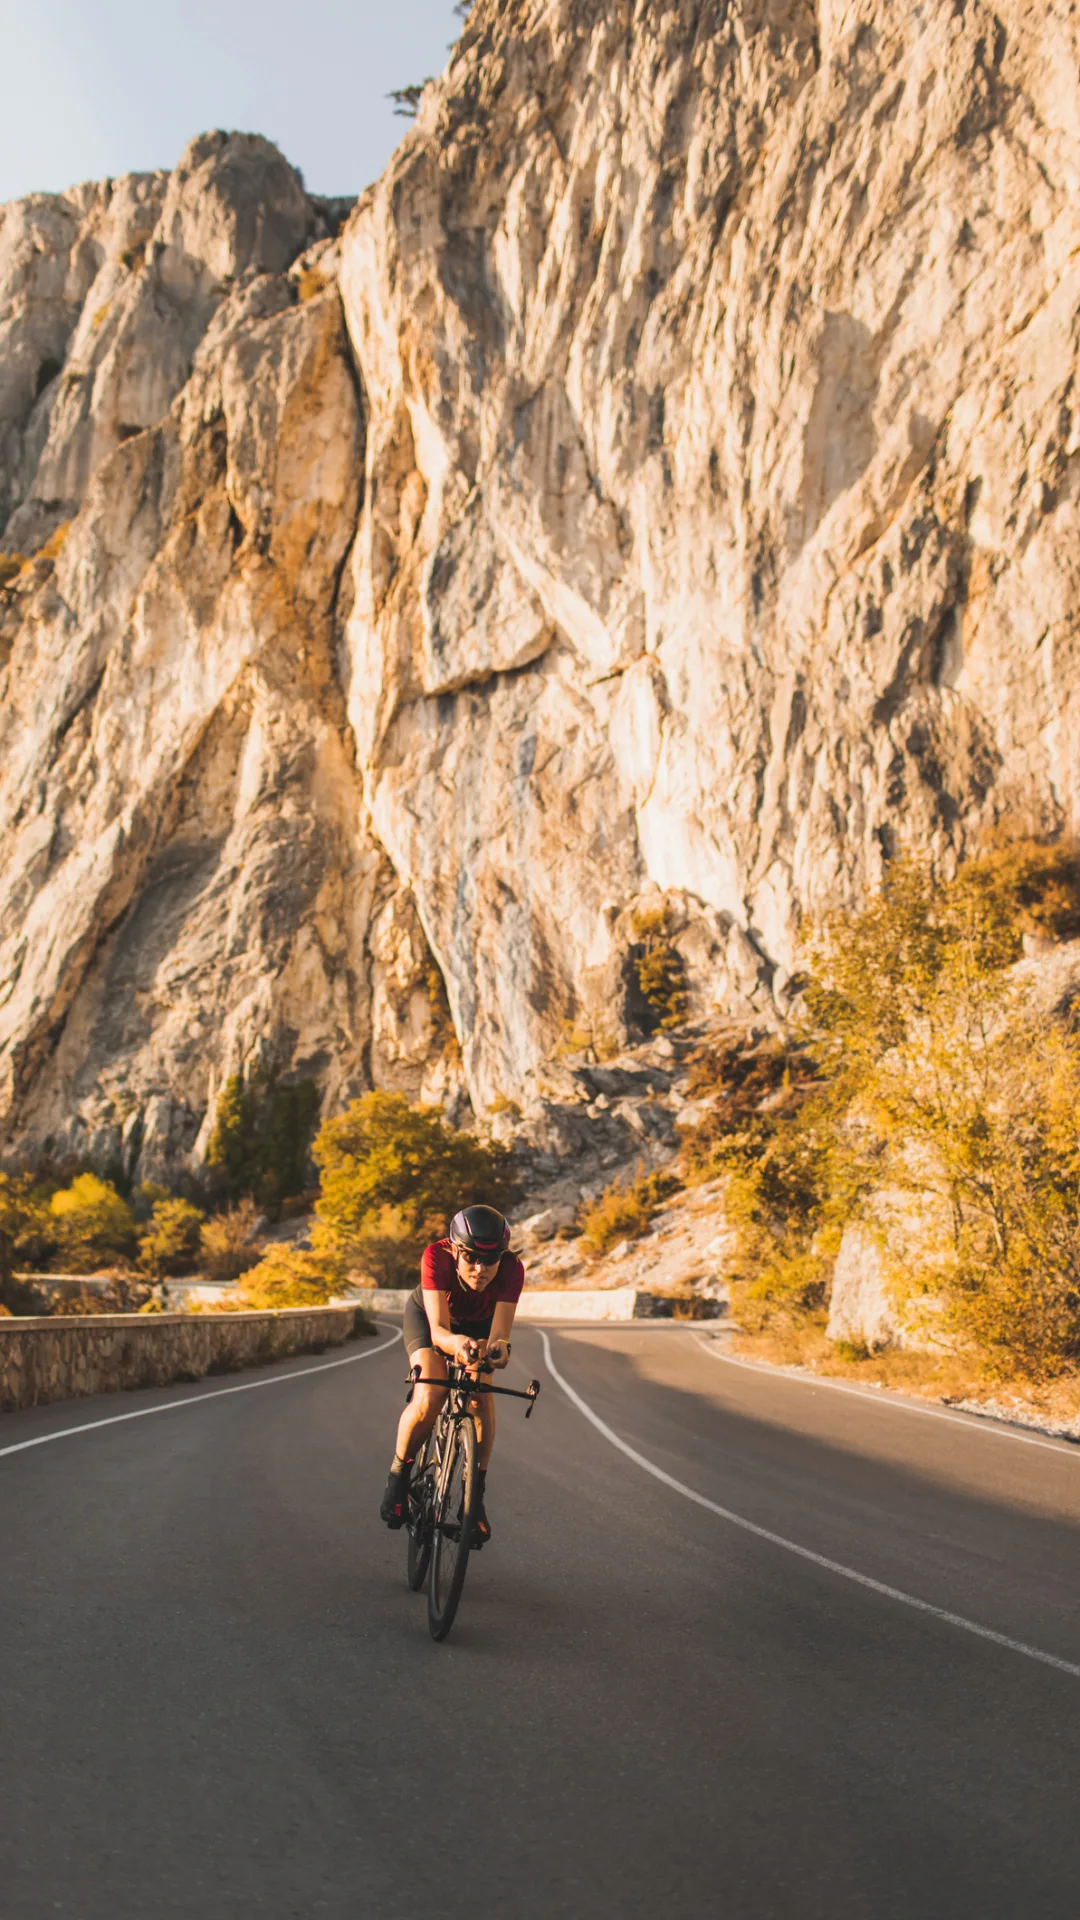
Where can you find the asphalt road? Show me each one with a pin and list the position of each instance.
(218, 1697)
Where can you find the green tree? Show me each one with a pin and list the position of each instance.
(394, 1172)
(261, 1136)
(24, 1221)
(231, 1144)
(170, 1243)
(407, 99)
(93, 1226)
(659, 996)
(963, 1096)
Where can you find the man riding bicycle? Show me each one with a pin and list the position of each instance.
(462, 1310)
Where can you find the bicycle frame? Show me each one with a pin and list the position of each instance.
(440, 1520)
(461, 1388)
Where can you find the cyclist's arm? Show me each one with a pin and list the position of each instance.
(502, 1321)
(437, 1308)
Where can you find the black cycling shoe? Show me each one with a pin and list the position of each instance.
(395, 1501)
(481, 1527)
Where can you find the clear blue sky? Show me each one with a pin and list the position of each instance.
(98, 87)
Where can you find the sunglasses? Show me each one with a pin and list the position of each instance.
(478, 1259)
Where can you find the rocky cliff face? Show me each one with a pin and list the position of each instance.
(664, 485)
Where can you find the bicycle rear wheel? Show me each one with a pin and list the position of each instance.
(420, 1522)
(453, 1531)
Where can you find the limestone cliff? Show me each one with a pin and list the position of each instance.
(666, 480)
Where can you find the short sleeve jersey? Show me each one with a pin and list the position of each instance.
(468, 1305)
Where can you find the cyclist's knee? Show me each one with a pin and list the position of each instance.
(428, 1403)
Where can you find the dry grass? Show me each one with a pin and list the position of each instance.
(928, 1376)
(228, 1246)
(54, 542)
(310, 283)
(624, 1210)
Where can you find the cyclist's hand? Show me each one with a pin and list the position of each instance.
(466, 1351)
(498, 1353)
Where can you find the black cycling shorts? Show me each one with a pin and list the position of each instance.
(416, 1329)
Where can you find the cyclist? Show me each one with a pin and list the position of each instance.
(462, 1310)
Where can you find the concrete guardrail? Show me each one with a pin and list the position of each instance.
(544, 1303)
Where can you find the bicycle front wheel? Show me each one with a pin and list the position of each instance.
(421, 1519)
(453, 1532)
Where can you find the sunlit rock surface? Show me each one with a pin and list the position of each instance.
(665, 484)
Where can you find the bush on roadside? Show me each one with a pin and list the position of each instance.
(24, 1223)
(388, 1250)
(92, 1226)
(392, 1177)
(286, 1277)
(925, 1070)
(227, 1242)
(624, 1210)
(125, 1293)
(170, 1244)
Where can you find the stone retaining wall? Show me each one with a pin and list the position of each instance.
(64, 1356)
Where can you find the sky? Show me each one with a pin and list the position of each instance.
(121, 86)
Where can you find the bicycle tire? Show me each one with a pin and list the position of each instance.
(419, 1523)
(452, 1535)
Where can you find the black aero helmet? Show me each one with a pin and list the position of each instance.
(480, 1230)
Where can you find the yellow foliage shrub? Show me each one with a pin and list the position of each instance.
(170, 1243)
(310, 283)
(658, 971)
(54, 542)
(624, 1210)
(226, 1243)
(391, 1171)
(93, 1226)
(286, 1277)
(924, 1070)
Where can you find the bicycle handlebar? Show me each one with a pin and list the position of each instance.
(471, 1387)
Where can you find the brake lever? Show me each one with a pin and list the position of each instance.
(532, 1390)
(415, 1373)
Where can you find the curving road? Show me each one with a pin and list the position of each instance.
(776, 1698)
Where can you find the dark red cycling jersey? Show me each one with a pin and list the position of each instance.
(439, 1274)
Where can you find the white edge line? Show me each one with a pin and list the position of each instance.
(199, 1399)
(975, 1422)
(792, 1546)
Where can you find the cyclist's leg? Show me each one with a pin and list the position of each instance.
(417, 1419)
(420, 1414)
(485, 1404)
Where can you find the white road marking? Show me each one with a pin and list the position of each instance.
(792, 1546)
(975, 1422)
(200, 1399)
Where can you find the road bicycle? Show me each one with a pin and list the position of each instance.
(442, 1490)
